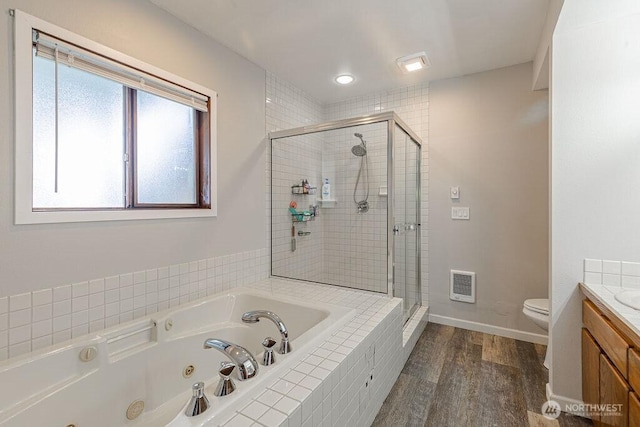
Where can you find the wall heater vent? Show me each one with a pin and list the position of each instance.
(463, 286)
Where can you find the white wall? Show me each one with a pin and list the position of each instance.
(488, 135)
(541, 69)
(595, 157)
(39, 256)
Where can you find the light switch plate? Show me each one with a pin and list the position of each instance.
(455, 193)
(460, 213)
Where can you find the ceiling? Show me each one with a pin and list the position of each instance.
(309, 42)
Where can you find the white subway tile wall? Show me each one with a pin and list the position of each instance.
(411, 104)
(612, 273)
(296, 159)
(352, 250)
(356, 244)
(38, 319)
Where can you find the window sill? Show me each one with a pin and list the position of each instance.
(29, 217)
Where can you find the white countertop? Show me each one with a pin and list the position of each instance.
(606, 295)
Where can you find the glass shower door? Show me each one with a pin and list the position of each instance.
(406, 221)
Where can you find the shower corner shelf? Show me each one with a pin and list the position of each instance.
(300, 189)
(328, 203)
(301, 217)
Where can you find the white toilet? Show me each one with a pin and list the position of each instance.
(538, 311)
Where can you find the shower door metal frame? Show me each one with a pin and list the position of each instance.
(392, 120)
(391, 130)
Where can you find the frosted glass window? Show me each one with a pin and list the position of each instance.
(102, 136)
(166, 155)
(90, 171)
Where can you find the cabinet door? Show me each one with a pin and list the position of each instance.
(634, 410)
(607, 336)
(615, 391)
(590, 372)
(634, 369)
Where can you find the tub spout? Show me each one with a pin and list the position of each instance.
(246, 364)
(255, 315)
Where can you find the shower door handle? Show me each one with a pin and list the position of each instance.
(396, 230)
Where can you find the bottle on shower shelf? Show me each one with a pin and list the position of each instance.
(326, 190)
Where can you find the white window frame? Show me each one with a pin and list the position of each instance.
(24, 213)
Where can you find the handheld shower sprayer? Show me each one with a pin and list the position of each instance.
(360, 150)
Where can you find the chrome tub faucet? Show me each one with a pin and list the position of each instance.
(255, 316)
(246, 364)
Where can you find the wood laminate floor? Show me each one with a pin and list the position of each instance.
(457, 378)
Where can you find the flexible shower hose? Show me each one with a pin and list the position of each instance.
(364, 161)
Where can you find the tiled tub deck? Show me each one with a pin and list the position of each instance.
(346, 379)
(340, 377)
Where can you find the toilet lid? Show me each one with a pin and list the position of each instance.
(540, 305)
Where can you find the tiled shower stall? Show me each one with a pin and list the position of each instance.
(343, 248)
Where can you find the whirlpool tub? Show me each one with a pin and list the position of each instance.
(144, 369)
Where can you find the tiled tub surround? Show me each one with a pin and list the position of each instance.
(333, 385)
(342, 380)
(35, 320)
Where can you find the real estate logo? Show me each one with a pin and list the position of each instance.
(551, 409)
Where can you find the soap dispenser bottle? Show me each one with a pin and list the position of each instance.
(326, 190)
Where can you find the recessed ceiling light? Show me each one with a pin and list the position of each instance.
(344, 79)
(414, 62)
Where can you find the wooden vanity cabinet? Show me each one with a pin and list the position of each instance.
(634, 410)
(614, 390)
(590, 371)
(610, 367)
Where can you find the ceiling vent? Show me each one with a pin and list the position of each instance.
(463, 286)
(415, 62)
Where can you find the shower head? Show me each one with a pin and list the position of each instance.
(360, 149)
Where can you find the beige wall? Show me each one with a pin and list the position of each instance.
(488, 134)
(39, 256)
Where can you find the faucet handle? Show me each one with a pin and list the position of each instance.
(199, 402)
(226, 368)
(225, 385)
(269, 358)
(285, 346)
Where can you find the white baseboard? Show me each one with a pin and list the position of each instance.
(490, 329)
(566, 404)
